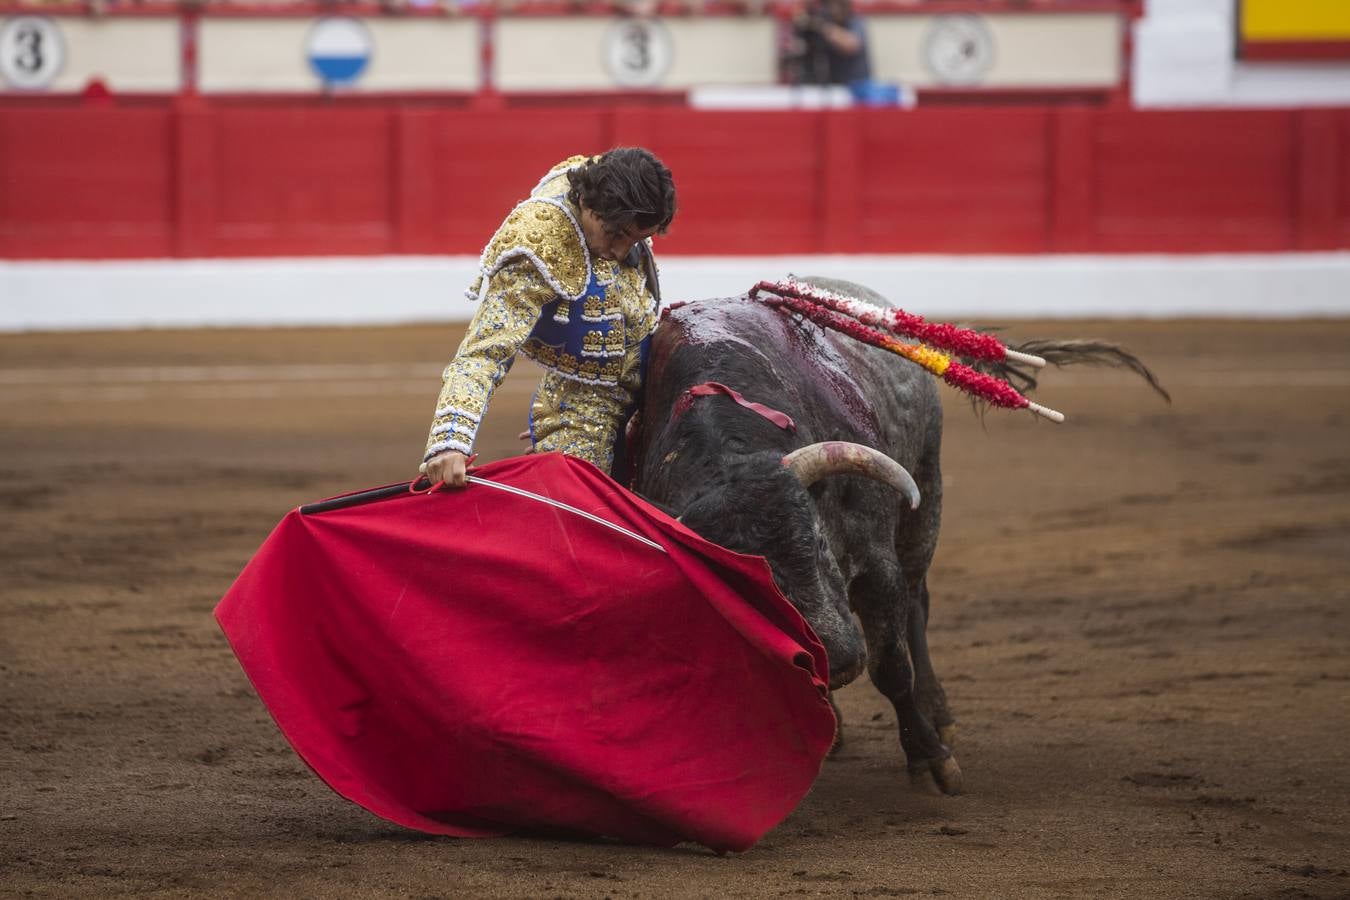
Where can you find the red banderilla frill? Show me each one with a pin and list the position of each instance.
(838, 313)
(961, 341)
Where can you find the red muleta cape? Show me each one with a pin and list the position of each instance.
(479, 662)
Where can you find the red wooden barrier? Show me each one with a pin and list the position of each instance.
(86, 182)
(269, 179)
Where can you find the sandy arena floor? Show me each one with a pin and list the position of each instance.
(1141, 618)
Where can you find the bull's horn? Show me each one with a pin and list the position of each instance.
(814, 461)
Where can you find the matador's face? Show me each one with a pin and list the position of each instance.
(606, 242)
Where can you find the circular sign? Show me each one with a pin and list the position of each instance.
(31, 52)
(339, 49)
(638, 52)
(958, 49)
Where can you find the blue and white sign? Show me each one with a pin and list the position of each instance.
(339, 49)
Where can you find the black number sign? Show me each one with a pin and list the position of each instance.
(637, 52)
(29, 58)
(638, 55)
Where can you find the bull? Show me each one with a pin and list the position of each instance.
(845, 552)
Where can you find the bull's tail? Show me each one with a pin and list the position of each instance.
(1068, 353)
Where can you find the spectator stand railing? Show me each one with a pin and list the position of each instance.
(998, 51)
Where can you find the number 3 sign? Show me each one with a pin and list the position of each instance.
(638, 52)
(31, 52)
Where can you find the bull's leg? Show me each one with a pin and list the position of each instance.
(932, 698)
(880, 599)
(916, 534)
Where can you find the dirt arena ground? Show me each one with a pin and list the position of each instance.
(1140, 616)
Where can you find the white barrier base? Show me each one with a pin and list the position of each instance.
(384, 290)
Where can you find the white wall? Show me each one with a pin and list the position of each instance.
(268, 54)
(1185, 55)
(130, 54)
(1028, 49)
(713, 50)
(264, 292)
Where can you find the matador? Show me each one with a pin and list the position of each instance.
(568, 280)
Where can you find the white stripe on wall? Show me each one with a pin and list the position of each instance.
(73, 295)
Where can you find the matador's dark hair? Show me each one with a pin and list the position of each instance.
(626, 186)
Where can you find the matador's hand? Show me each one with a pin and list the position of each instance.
(450, 466)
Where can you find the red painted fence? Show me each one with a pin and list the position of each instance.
(374, 178)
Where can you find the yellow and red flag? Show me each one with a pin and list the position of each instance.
(1295, 29)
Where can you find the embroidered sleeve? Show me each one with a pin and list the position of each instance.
(510, 307)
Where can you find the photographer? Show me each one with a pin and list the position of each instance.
(829, 45)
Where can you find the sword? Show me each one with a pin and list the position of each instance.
(422, 486)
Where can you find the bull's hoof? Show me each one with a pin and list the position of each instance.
(947, 734)
(948, 776)
(936, 776)
(921, 778)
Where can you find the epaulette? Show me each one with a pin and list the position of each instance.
(544, 231)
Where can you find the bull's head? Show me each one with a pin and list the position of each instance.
(761, 505)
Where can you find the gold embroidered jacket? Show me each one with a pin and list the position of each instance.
(583, 319)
